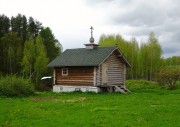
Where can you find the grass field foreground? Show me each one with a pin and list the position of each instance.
(147, 106)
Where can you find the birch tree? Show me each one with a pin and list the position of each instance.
(28, 58)
(41, 59)
(155, 53)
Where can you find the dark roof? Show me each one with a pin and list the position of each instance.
(82, 57)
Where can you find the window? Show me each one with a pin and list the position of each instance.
(64, 71)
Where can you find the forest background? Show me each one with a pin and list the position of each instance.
(26, 47)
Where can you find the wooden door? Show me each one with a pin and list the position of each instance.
(104, 73)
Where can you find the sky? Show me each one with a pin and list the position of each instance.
(70, 20)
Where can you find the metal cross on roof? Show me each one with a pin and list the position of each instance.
(92, 31)
(91, 40)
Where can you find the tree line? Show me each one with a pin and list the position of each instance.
(146, 60)
(172, 61)
(26, 46)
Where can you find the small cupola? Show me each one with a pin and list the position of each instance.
(91, 45)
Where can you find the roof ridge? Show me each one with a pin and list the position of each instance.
(97, 47)
(74, 48)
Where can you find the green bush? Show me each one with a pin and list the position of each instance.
(169, 77)
(15, 86)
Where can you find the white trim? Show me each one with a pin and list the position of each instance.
(63, 71)
(54, 75)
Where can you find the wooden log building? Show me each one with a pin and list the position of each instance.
(93, 68)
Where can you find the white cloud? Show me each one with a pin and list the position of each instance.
(70, 20)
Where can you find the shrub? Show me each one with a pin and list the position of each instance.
(169, 77)
(15, 86)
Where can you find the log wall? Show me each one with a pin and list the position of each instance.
(77, 76)
(116, 70)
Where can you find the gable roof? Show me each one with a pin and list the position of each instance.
(84, 57)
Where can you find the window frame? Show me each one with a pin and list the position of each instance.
(64, 70)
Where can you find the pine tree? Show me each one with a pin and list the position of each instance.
(52, 45)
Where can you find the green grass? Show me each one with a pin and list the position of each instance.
(147, 106)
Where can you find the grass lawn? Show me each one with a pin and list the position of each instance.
(147, 106)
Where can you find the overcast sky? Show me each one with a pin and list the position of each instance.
(70, 20)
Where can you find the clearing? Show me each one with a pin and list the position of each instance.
(147, 106)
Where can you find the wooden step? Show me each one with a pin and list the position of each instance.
(121, 89)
